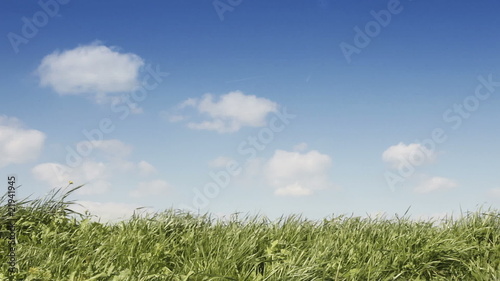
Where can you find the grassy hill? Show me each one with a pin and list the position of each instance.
(55, 243)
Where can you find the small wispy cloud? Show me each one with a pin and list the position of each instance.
(228, 114)
(434, 184)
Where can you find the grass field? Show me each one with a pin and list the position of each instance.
(54, 243)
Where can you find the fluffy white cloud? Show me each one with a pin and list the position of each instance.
(150, 188)
(435, 183)
(17, 144)
(109, 212)
(401, 154)
(90, 69)
(228, 114)
(298, 174)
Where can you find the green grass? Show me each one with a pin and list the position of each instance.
(54, 243)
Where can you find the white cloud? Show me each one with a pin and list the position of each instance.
(434, 184)
(298, 174)
(18, 145)
(230, 113)
(92, 69)
(146, 169)
(150, 188)
(109, 211)
(93, 174)
(413, 153)
(191, 102)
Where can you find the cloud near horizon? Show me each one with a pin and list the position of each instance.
(402, 156)
(434, 184)
(93, 175)
(17, 144)
(298, 174)
(109, 212)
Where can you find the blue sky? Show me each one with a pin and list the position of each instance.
(387, 105)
